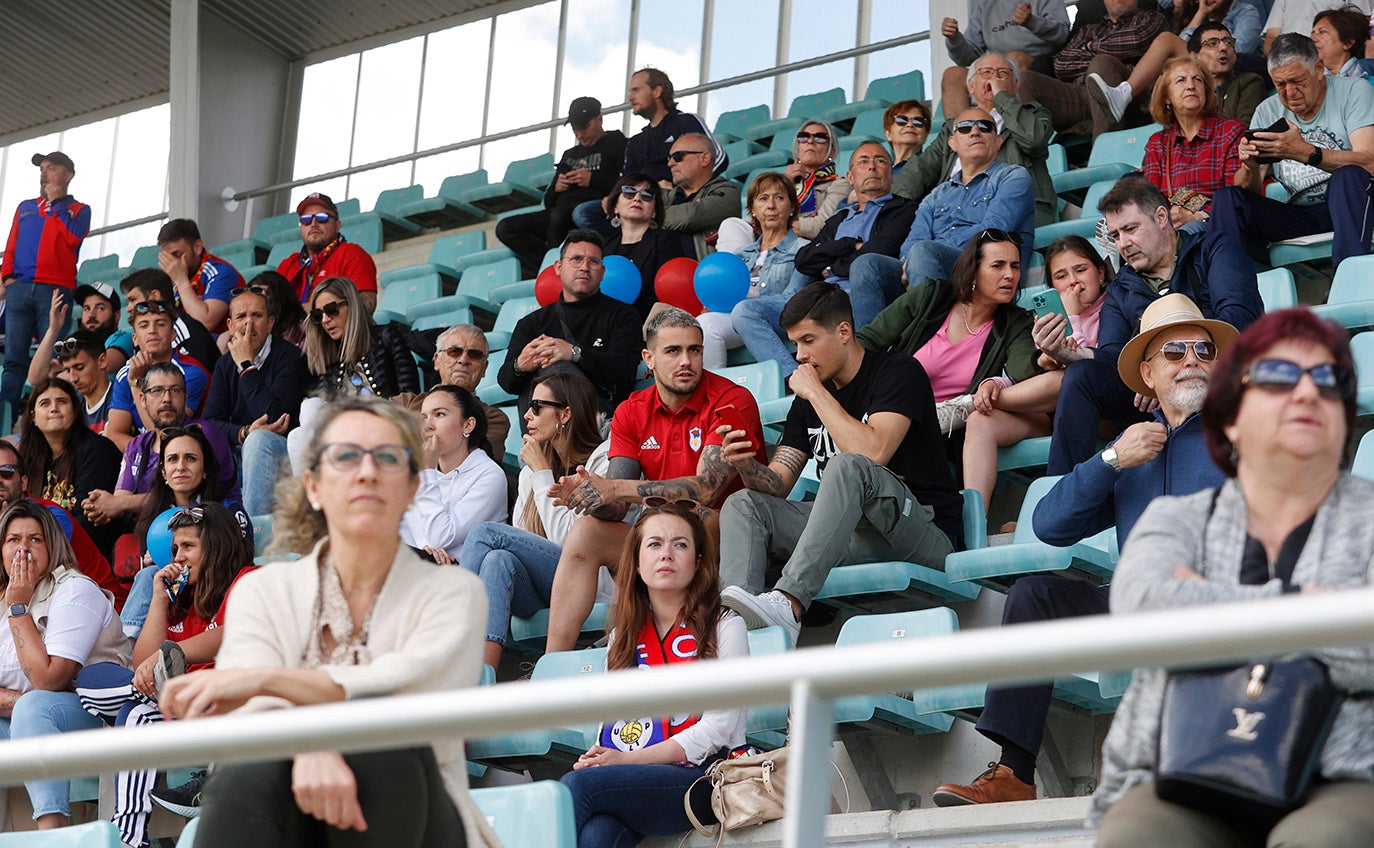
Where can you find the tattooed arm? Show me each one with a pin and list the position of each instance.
(776, 478)
(590, 493)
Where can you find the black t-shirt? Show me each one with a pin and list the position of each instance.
(649, 255)
(890, 382)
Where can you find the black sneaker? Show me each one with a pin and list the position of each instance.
(184, 800)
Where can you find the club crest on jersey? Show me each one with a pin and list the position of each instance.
(694, 438)
(632, 734)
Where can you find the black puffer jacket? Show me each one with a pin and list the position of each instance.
(388, 369)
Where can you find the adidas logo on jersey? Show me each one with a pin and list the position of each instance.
(649, 444)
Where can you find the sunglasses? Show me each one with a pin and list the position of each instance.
(1282, 375)
(813, 138)
(66, 348)
(8, 472)
(658, 502)
(538, 406)
(262, 290)
(346, 456)
(474, 353)
(331, 309)
(315, 218)
(994, 234)
(189, 517)
(679, 155)
(913, 121)
(153, 307)
(645, 194)
(169, 433)
(966, 127)
(1177, 351)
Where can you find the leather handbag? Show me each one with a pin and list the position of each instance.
(745, 791)
(1243, 743)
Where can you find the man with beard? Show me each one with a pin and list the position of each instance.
(1172, 359)
(326, 253)
(666, 434)
(1156, 260)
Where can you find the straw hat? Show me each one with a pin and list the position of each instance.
(1171, 310)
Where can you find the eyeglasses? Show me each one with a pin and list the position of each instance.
(870, 161)
(538, 406)
(658, 502)
(66, 348)
(154, 307)
(346, 456)
(992, 234)
(331, 309)
(679, 155)
(1177, 351)
(316, 218)
(983, 124)
(989, 73)
(262, 290)
(910, 121)
(476, 354)
(189, 517)
(156, 392)
(8, 472)
(579, 261)
(1282, 375)
(1213, 43)
(645, 194)
(813, 138)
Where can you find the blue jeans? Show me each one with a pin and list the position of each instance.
(875, 281)
(617, 806)
(135, 610)
(40, 713)
(516, 567)
(263, 453)
(757, 320)
(930, 260)
(590, 215)
(27, 306)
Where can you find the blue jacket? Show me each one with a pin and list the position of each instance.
(1001, 197)
(1214, 271)
(778, 266)
(1093, 497)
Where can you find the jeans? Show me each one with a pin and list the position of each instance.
(1257, 220)
(516, 567)
(135, 610)
(929, 260)
(1092, 392)
(617, 806)
(875, 281)
(591, 216)
(106, 691)
(263, 453)
(757, 320)
(39, 713)
(862, 513)
(27, 305)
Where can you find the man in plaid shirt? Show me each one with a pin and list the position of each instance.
(1108, 48)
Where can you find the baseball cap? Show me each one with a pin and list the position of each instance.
(56, 156)
(582, 110)
(105, 290)
(317, 199)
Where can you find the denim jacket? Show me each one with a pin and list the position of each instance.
(1001, 197)
(778, 265)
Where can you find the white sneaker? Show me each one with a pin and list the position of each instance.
(953, 413)
(1113, 99)
(767, 610)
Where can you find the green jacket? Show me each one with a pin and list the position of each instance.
(702, 212)
(1026, 132)
(1239, 96)
(916, 316)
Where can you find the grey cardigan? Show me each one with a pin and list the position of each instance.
(1339, 555)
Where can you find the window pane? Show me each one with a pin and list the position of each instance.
(326, 116)
(594, 59)
(367, 185)
(124, 242)
(451, 113)
(523, 70)
(90, 148)
(670, 40)
(388, 99)
(432, 171)
(21, 177)
(738, 50)
(820, 27)
(898, 17)
(499, 154)
(141, 155)
(337, 189)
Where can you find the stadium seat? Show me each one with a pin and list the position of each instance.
(349, 208)
(490, 392)
(187, 838)
(146, 257)
(366, 233)
(768, 160)
(1363, 466)
(1113, 154)
(869, 123)
(1349, 302)
(101, 269)
(511, 313)
(740, 149)
(1058, 160)
(527, 635)
(880, 94)
(97, 834)
(262, 533)
(474, 289)
(387, 212)
(999, 566)
(514, 191)
(803, 107)
(1085, 225)
(281, 251)
(886, 712)
(1301, 250)
(444, 211)
(1362, 346)
(442, 320)
(400, 296)
(448, 256)
(762, 379)
(767, 725)
(268, 232)
(1277, 289)
(508, 811)
(558, 745)
(732, 126)
(240, 261)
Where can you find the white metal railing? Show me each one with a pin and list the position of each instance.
(810, 679)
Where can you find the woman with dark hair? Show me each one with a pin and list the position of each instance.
(637, 210)
(1340, 36)
(1278, 418)
(63, 459)
(283, 305)
(516, 564)
(966, 330)
(906, 125)
(819, 188)
(183, 632)
(460, 485)
(632, 783)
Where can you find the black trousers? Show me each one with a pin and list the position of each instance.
(1092, 392)
(1017, 714)
(401, 792)
(530, 236)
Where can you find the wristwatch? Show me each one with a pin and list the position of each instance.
(1315, 159)
(1109, 457)
(17, 610)
(245, 365)
(576, 354)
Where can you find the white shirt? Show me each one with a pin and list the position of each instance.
(79, 611)
(558, 520)
(448, 505)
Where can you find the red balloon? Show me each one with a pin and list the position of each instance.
(547, 286)
(674, 284)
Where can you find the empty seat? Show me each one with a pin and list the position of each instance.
(400, 296)
(281, 252)
(1277, 289)
(527, 635)
(387, 212)
(511, 313)
(1085, 225)
(886, 712)
(97, 834)
(880, 94)
(187, 839)
(490, 392)
(1113, 154)
(1349, 302)
(514, 191)
(366, 233)
(803, 106)
(1362, 346)
(102, 269)
(733, 125)
(448, 256)
(445, 210)
(508, 810)
(442, 320)
(767, 725)
(478, 281)
(762, 379)
(765, 161)
(1363, 466)
(145, 257)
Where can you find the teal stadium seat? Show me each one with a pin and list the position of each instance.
(527, 635)
(442, 320)
(240, 261)
(868, 126)
(508, 809)
(97, 834)
(266, 233)
(1363, 466)
(478, 282)
(880, 94)
(400, 296)
(366, 233)
(445, 211)
(766, 726)
(511, 313)
(101, 269)
(1277, 289)
(348, 208)
(768, 160)
(999, 566)
(490, 392)
(447, 258)
(1113, 154)
(762, 379)
(1058, 160)
(386, 211)
(1085, 225)
(146, 257)
(803, 106)
(281, 251)
(187, 839)
(732, 126)
(885, 712)
(1362, 346)
(1349, 302)
(515, 190)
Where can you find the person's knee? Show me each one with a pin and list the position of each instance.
(846, 468)
(1032, 598)
(252, 784)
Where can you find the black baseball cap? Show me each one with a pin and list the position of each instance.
(63, 159)
(105, 290)
(317, 199)
(582, 110)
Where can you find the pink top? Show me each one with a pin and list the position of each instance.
(951, 366)
(1085, 323)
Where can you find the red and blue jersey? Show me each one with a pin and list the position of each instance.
(678, 646)
(44, 241)
(216, 279)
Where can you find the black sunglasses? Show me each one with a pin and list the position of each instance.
(966, 127)
(679, 155)
(331, 309)
(8, 472)
(993, 234)
(169, 433)
(645, 194)
(315, 218)
(1177, 351)
(262, 290)
(537, 406)
(66, 348)
(654, 502)
(818, 138)
(155, 307)
(1283, 375)
(476, 354)
(914, 121)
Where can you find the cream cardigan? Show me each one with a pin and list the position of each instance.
(425, 635)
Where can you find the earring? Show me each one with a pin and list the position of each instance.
(315, 506)
(1235, 454)
(467, 433)
(560, 425)
(615, 221)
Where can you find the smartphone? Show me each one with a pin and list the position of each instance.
(1048, 302)
(1281, 125)
(730, 416)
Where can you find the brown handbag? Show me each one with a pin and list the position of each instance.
(745, 791)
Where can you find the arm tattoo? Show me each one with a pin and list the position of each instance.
(762, 478)
(713, 473)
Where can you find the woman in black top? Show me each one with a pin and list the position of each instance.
(637, 213)
(348, 354)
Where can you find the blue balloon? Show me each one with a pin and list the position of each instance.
(722, 280)
(160, 537)
(622, 280)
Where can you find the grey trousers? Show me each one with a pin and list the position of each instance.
(862, 513)
(1337, 815)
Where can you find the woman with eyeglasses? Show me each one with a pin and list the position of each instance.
(63, 459)
(631, 784)
(359, 615)
(965, 330)
(906, 124)
(517, 563)
(59, 621)
(183, 633)
(460, 485)
(637, 210)
(1278, 419)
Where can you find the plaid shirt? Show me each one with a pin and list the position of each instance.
(1127, 39)
(1204, 164)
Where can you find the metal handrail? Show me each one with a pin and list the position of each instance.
(110, 228)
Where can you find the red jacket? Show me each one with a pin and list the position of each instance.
(44, 241)
(347, 260)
